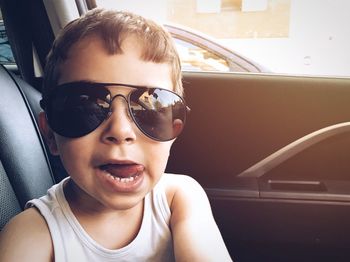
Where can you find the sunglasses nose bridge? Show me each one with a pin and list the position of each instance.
(111, 102)
(119, 95)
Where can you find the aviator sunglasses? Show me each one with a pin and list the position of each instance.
(76, 109)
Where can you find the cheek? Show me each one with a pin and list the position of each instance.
(157, 156)
(73, 153)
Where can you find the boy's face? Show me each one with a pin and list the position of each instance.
(117, 147)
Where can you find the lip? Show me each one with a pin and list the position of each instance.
(121, 175)
(122, 171)
(116, 161)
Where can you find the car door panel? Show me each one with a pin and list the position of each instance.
(236, 120)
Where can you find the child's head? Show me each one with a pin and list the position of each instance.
(113, 27)
(111, 113)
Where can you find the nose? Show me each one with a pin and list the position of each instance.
(119, 128)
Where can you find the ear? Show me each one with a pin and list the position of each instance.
(48, 134)
(178, 125)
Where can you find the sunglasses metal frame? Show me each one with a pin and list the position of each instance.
(44, 102)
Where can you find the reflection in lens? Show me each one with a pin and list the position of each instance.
(78, 111)
(159, 113)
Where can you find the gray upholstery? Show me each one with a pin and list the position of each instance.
(25, 171)
(9, 203)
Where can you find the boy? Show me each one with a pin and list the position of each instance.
(113, 108)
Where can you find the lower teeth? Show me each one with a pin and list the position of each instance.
(123, 179)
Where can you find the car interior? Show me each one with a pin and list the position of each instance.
(25, 170)
(278, 190)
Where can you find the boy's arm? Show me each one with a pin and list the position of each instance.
(196, 236)
(26, 238)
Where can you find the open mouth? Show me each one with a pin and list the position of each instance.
(124, 173)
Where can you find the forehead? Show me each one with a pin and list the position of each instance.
(90, 60)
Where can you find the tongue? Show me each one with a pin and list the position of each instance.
(123, 170)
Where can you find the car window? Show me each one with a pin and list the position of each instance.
(282, 36)
(196, 58)
(6, 55)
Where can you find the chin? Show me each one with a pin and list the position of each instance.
(122, 202)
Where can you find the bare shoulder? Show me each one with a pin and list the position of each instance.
(178, 181)
(26, 238)
(185, 194)
(192, 223)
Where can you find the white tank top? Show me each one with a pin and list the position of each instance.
(71, 242)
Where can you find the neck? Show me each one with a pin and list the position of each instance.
(102, 223)
(82, 204)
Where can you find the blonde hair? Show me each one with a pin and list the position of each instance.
(112, 27)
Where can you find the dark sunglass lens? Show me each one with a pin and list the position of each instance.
(159, 113)
(76, 112)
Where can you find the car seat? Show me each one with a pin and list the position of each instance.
(25, 171)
